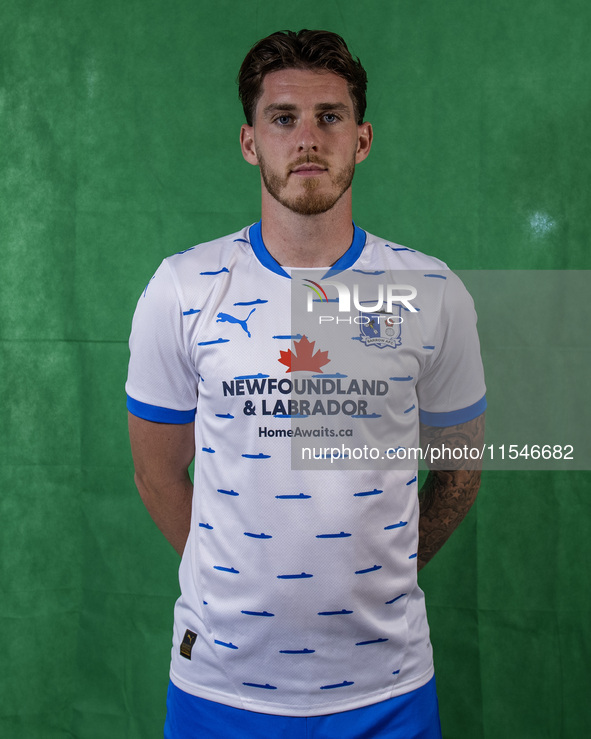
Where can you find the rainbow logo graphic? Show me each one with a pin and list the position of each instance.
(318, 289)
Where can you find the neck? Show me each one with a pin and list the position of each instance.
(295, 240)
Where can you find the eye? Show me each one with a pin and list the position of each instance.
(283, 120)
(330, 117)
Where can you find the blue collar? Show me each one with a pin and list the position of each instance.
(347, 260)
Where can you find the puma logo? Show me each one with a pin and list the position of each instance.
(227, 318)
(187, 644)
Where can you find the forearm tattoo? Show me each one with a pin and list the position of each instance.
(448, 494)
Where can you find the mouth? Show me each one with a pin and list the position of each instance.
(308, 169)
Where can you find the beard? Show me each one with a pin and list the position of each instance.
(309, 202)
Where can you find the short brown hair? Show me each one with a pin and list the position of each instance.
(318, 50)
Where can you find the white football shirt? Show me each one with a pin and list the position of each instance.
(299, 586)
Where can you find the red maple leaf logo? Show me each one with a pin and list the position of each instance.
(303, 357)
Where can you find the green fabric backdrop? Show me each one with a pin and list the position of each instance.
(119, 145)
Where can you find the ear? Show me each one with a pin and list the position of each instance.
(364, 140)
(247, 144)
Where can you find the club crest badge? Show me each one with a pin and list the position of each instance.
(381, 329)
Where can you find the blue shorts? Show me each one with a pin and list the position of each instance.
(414, 715)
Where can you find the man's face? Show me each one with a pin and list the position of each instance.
(305, 139)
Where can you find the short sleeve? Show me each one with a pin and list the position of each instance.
(162, 381)
(452, 389)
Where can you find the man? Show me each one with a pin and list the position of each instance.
(300, 613)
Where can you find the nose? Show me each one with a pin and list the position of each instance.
(308, 137)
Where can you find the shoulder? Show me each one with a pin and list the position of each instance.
(211, 253)
(180, 274)
(204, 264)
(397, 256)
(438, 285)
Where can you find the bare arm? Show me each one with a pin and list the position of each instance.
(162, 454)
(448, 494)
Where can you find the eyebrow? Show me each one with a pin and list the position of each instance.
(320, 107)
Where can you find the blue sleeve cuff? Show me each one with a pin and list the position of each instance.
(158, 414)
(452, 418)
